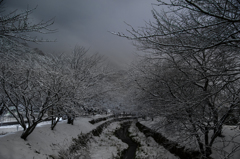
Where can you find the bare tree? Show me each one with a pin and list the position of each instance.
(16, 28)
(38, 88)
(195, 50)
(31, 88)
(213, 22)
(197, 92)
(86, 72)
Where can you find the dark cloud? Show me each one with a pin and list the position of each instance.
(87, 22)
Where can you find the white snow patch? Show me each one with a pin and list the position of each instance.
(43, 142)
(107, 145)
(226, 147)
(148, 149)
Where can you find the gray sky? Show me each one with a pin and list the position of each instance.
(87, 22)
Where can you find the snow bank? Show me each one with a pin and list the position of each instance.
(181, 137)
(43, 142)
(107, 145)
(229, 145)
(148, 148)
(226, 147)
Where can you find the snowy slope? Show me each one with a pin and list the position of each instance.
(43, 142)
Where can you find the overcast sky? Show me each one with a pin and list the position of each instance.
(87, 22)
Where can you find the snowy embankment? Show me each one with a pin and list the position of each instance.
(107, 145)
(104, 135)
(148, 148)
(223, 148)
(182, 138)
(43, 142)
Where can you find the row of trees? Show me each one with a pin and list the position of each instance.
(35, 87)
(191, 76)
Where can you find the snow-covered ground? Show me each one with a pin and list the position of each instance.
(43, 142)
(148, 149)
(228, 146)
(10, 129)
(107, 145)
(182, 138)
(223, 148)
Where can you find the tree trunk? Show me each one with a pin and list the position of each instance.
(215, 119)
(28, 131)
(70, 120)
(208, 148)
(208, 151)
(54, 123)
(2, 110)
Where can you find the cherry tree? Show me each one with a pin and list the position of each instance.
(88, 73)
(32, 89)
(195, 92)
(16, 26)
(213, 22)
(193, 72)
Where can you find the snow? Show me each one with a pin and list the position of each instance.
(107, 145)
(43, 142)
(230, 143)
(101, 116)
(148, 149)
(11, 129)
(181, 137)
(226, 147)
